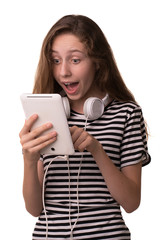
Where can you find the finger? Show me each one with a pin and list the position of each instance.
(39, 130)
(82, 138)
(75, 133)
(40, 140)
(28, 125)
(73, 129)
(37, 148)
(36, 132)
(44, 144)
(82, 146)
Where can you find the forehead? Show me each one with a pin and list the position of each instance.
(67, 42)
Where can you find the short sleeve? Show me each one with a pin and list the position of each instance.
(134, 143)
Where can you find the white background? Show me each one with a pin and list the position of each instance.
(132, 29)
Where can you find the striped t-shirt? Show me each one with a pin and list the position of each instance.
(121, 131)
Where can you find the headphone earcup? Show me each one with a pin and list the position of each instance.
(66, 106)
(93, 108)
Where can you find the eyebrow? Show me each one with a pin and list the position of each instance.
(70, 51)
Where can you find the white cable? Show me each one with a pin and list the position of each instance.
(78, 174)
(43, 190)
(69, 190)
(69, 193)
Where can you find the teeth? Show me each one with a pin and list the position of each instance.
(67, 84)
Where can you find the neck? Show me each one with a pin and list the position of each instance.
(77, 105)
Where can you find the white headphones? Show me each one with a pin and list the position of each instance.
(93, 107)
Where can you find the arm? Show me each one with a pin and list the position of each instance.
(32, 187)
(33, 168)
(125, 185)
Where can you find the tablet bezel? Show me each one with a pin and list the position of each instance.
(49, 108)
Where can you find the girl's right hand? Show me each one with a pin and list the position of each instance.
(32, 142)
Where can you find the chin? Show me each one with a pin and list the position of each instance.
(73, 97)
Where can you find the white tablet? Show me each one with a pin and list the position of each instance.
(49, 108)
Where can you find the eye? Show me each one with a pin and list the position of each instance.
(76, 60)
(56, 61)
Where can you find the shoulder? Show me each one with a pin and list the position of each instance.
(124, 108)
(130, 106)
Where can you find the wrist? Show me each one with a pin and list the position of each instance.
(98, 148)
(31, 159)
(30, 163)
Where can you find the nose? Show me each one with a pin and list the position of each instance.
(65, 70)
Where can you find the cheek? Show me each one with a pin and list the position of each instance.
(88, 75)
(87, 70)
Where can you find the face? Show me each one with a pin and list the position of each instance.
(73, 69)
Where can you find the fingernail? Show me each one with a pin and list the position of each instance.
(49, 125)
(35, 116)
(53, 134)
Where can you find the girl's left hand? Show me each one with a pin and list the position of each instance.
(83, 140)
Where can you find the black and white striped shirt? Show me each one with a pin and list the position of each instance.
(121, 131)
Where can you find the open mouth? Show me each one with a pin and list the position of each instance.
(71, 87)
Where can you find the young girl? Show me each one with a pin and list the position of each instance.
(83, 195)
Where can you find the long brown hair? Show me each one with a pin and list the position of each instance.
(108, 77)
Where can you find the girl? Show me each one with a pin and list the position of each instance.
(83, 195)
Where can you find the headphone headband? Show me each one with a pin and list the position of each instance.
(93, 107)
